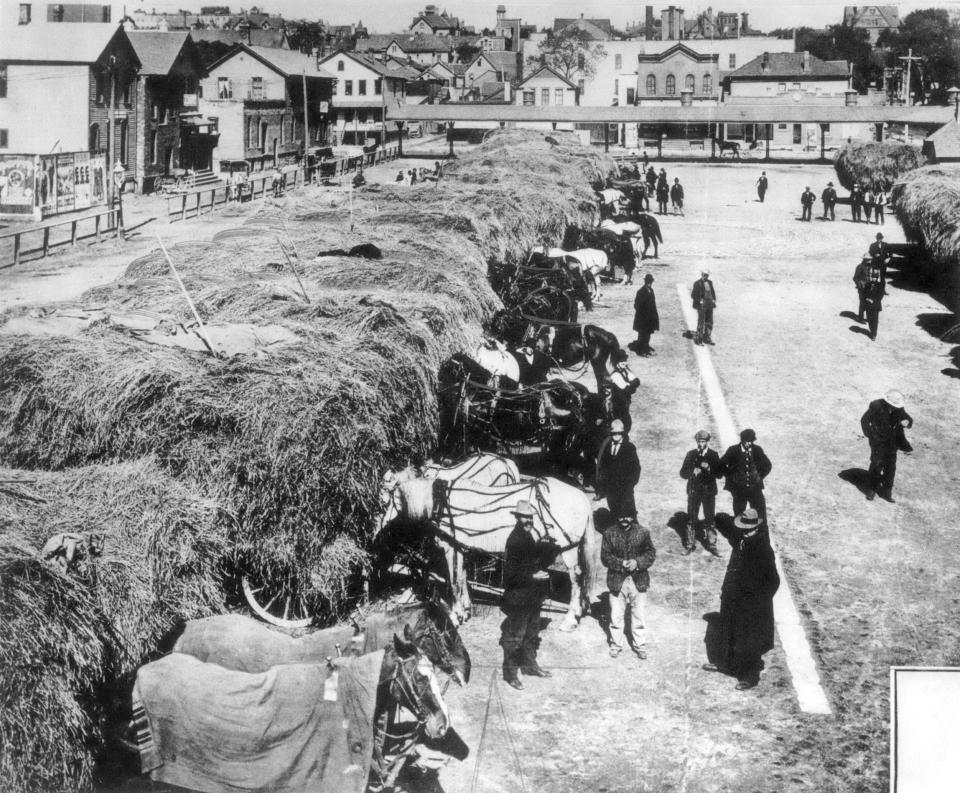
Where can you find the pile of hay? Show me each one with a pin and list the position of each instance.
(875, 163)
(68, 638)
(927, 204)
(290, 443)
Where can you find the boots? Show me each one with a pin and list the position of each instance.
(532, 669)
(690, 539)
(710, 534)
(510, 668)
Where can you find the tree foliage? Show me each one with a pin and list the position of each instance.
(933, 35)
(570, 52)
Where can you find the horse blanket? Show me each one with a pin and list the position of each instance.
(288, 730)
(247, 645)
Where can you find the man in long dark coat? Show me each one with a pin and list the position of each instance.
(646, 319)
(829, 198)
(861, 278)
(618, 471)
(762, 184)
(873, 298)
(884, 423)
(704, 297)
(807, 199)
(525, 586)
(701, 469)
(745, 466)
(745, 628)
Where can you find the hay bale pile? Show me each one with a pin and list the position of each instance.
(290, 442)
(927, 204)
(875, 162)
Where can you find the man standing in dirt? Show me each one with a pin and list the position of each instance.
(704, 298)
(884, 423)
(861, 278)
(762, 185)
(646, 319)
(873, 297)
(676, 196)
(807, 199)
(745, 466)
(829, 198)
(628, 553)
(744, 631)
(701, 469)
(618, 471)
(880, 256)
(525, 585)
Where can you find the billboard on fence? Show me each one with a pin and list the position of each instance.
(76, 180)
(18, 182)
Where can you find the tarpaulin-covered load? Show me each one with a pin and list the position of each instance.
(294, 728)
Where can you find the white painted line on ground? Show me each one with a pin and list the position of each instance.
(806, 680)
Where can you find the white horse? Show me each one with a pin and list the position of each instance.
(590, 263)
(483, 468)
(470, 516)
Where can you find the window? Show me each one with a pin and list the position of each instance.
(93, 137)
(651, 85)
(782, 88)
(825, 128)
(671, 88)
(529, 98)
(126, 93)
(124, 129)
(558, 96)
(631, 96)
(732, 61)
(544, 96)
(153, 148)
(707, 85)
(4, 138)
(362, 87)
(103, 81)
(3, 80)
(155, 112)
(616, 88)
(781, 126)
(796, 86)
(348, 87)
(262, 142)
(25, 15)
(56, 13)
(378, 87)
(256, 88)
(224, 88)
(340, 66)
(690, 83)
(618, 62)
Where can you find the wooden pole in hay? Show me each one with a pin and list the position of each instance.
(293, 267)
(193, 308)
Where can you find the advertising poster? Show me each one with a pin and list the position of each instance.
(17, 184)
(65, 188)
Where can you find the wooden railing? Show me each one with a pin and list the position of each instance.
(207, 199)
(79, 229)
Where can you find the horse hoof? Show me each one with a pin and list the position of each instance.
(568, 626)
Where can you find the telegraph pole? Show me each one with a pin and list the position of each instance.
(306, 131)
(909, 58)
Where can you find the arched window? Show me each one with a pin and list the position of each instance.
(707, 85)
(651, 85)
(690, 83)
(264, 127)
(94, 137)
(671, 85)
(340, 66)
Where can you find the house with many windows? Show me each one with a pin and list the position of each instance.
(431, 22)
(256, 94)
(674, 76)
(873, 19)
(491, 72)
(545, 87)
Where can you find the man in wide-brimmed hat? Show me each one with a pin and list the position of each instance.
(646, 318)
(745, 466)
(745, 628)
(880, 257)
(525, 584)
(627, 552)
(618, 471)
(861, 279)
(701, 469)
(829, 198)
(884, 423)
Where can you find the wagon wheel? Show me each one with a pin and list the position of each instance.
(158, 184)
(277, 604)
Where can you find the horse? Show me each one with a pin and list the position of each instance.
(472, 517)
(588, 263)
(315, 724)
(570, 345)
(638, 223)
(727, 145)
(620, 250)
(550, 292)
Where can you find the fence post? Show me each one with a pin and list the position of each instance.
(16, 248)
(97, 225)
(73, 232)
(46, 239)
(183, 206)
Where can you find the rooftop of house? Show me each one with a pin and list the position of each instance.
(774, 65)
(64, 42)
(157, 51)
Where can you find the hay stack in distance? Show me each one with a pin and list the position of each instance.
(875, 163)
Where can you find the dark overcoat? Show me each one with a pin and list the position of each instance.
(646, 319)
(706, 482)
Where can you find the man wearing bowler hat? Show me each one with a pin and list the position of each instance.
(527, 554)
(618, 471)
(745, 466)
(884, 423)
(646, 318)
(744, 631)
(829, 198)
(704, 298)
(701, 469)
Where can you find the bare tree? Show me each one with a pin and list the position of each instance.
(570, 52)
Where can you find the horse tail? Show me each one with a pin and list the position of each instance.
(590, 564)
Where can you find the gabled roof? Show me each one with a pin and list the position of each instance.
(276, 39)
(552, 71)
(287, 63)
(788, 65)
(158, 51)
(852, 15)
(945, 142)
(678, 49)
(364, 60)
(597, 28)
(501, 60)
(64, 42)
(437, 21)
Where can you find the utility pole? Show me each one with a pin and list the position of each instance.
(306, 131)
(383, 111)
(909, 58)
(111, 125)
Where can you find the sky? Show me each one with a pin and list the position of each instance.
(391, 16)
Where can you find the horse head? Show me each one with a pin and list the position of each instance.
(437, 636)
(408, 679)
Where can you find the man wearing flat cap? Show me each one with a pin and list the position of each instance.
(745, 628)
(884, 423)
(745, 466)
(527, 554)
(627, 552)
(704, 298)
(646, 319)
(618, 471)
(701, 469)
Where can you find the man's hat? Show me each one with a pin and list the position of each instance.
(807, 187)
(879, 236)
(704, 272)
(866, 255)
(748, 435)
(894, 398)
(648, 278)
(748, 520)
(829, 184)
(616, 426)
(524, 509)
(702, 435)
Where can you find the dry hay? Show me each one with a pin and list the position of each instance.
(875, 162)
(66, 638)
(927, 204)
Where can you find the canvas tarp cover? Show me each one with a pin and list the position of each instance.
(301, 728)
(246, 645)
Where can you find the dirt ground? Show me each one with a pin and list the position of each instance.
(875, 582)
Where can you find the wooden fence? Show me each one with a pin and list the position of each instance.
(81, 227)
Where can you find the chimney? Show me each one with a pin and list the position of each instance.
(765, 62)
(744, 24)
(850, 97)
(805, 62)
(648, 23)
